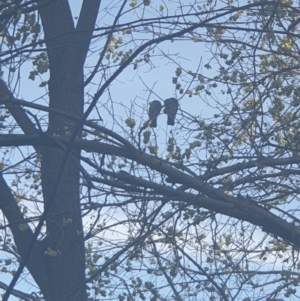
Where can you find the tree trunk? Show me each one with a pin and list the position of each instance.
(64, 244)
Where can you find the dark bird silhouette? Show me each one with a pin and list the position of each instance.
(171, 107)
(154, 110)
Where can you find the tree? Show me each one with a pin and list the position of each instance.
(95, 203)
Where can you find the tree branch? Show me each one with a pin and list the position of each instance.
(6, 97)
(86, 25)
(19, 294)
(209, 198)
(22, 233)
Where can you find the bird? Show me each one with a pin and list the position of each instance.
(171, 107)
(154, 110)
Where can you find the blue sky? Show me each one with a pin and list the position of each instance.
(129, 89)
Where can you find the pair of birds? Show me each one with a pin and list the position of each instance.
(171, 107)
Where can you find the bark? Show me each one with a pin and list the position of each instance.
(57, 263)
(67, 49)
(208, 197)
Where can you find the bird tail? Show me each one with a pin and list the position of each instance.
(153, 123)
(171, 120)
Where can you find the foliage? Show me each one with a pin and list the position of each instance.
(205, 210)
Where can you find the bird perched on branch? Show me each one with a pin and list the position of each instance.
(171, 107)
(154, 110)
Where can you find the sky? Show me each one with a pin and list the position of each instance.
(129, 88)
